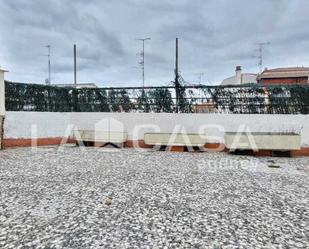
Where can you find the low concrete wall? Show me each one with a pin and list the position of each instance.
(215, 125)
(24, 125)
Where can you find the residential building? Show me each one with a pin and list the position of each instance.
(288, 75)
(205, 107)
(240, 78)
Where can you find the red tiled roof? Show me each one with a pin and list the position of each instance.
(288, 69)
(288, 72)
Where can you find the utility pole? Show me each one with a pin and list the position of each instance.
(177, 84)
(75, 66)
(261, 54)
(142, 63)
(48, 81)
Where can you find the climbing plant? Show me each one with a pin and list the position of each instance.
(249, 99)
(143, 101)
(161, 100)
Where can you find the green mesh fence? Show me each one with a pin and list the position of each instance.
(251, 99)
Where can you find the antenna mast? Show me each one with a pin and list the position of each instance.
(75, 66)
(48, 81)
(142, 62)
(261, 54)
(200, 76)
(177, 84)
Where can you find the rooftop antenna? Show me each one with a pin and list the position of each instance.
(142, 62)
(200, 76)
(261, 54)
(177, 84)
(75, 66)
(48, 80)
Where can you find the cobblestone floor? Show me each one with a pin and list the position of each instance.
(70, 198)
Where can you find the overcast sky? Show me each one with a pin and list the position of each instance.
(215, 36)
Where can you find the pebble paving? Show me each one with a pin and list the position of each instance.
(68, 197)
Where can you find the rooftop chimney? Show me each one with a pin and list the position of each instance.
(238, 75)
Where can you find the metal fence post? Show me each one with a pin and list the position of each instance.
(2, 105)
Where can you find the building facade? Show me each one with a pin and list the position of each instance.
(290, 75)
(240, 78)
(2, 105)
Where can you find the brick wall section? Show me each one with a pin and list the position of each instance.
(12, 143)
(275, 81)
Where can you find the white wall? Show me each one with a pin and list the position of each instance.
(40, 124)
(18, 124)
(2, 91)
(246, 78)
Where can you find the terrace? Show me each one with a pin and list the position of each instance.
(65, 196)
(70, 197)
(114, 136)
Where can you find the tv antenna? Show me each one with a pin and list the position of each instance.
(261, 47)
(142, 62)
(48, 80)
(200, 76)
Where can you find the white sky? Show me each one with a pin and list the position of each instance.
(215, 37)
